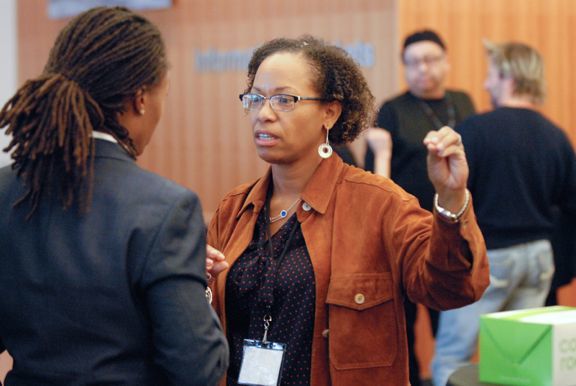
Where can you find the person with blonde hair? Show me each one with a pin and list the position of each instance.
(522, 166)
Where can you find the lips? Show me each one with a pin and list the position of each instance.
(264, 135)
(265, 138)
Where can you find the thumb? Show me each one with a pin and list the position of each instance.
(219, 267)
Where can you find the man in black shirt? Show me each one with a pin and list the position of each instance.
(427, 105)
(522, 167)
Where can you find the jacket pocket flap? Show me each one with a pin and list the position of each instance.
(360, 291)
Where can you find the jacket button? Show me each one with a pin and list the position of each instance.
(306, 206)
(359, 298)
(325, 333)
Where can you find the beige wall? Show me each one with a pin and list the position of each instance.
(8, 81)
(8, 71)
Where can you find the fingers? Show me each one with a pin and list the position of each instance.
(215, 263)
(213, 253)
(446, 161)
(219, 267)
(444, 142)
(215, 269)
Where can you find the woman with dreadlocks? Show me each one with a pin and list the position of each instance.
(103, 264)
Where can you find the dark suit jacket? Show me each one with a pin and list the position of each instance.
(112, 297)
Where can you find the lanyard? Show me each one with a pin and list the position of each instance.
(434, 118)
(270, 277)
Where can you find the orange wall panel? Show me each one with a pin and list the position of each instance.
(204, 141)
(547, 25)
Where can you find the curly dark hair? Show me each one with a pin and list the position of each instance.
(338, 78)
(99, 60)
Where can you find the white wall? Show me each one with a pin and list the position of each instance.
(8, 64)
(8, 83)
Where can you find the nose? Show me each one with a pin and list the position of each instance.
(423, 66)
(266, 112)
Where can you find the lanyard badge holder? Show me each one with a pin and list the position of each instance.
(262, 360)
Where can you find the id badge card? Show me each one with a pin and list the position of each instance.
(261, 363)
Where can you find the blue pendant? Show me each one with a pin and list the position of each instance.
(283, 213)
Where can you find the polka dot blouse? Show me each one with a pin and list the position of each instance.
(251, 285)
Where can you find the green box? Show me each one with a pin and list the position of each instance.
(532, 347)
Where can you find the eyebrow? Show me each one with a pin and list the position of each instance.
(277, 90)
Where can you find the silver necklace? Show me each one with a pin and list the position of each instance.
(284, 212)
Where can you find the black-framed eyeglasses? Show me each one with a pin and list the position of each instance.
(278, 102)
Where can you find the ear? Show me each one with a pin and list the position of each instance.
(332, 112)
(139, 102)
(508, 86)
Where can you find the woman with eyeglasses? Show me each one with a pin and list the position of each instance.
(321, 254)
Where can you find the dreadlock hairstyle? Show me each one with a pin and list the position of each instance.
(338, 77)
(98, 62)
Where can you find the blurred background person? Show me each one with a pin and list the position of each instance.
(321, 254)
(563, 239)
(103, 263)
(522, 166)
(346, 154)
(426, 105)
(380, 143)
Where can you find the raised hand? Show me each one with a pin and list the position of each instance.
(447, 167)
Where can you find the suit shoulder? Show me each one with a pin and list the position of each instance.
(7, 174)
(146, 183)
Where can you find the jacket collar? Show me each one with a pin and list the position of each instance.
(107, 149)
(317, 192)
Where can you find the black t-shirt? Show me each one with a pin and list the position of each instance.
(408, 121)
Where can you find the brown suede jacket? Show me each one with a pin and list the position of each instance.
(370, 245)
